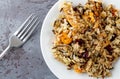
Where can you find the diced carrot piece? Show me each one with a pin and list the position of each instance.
(77, 69)
(91, 16)
(65, 39)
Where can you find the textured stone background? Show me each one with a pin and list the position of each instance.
(25, 62)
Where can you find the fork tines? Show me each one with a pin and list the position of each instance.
(27, 27)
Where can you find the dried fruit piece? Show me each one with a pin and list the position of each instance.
(114, 12)
(109, 49)
(80, 41)
(113, 37)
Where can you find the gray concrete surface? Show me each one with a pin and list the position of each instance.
(25, 62)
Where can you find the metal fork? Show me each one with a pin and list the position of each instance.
(22, 34)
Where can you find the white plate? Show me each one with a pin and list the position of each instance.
(47, 38)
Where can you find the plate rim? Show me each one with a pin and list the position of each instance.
(41, 39)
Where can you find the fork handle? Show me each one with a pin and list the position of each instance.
(4, 52)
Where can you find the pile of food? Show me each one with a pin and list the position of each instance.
(87, 37)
